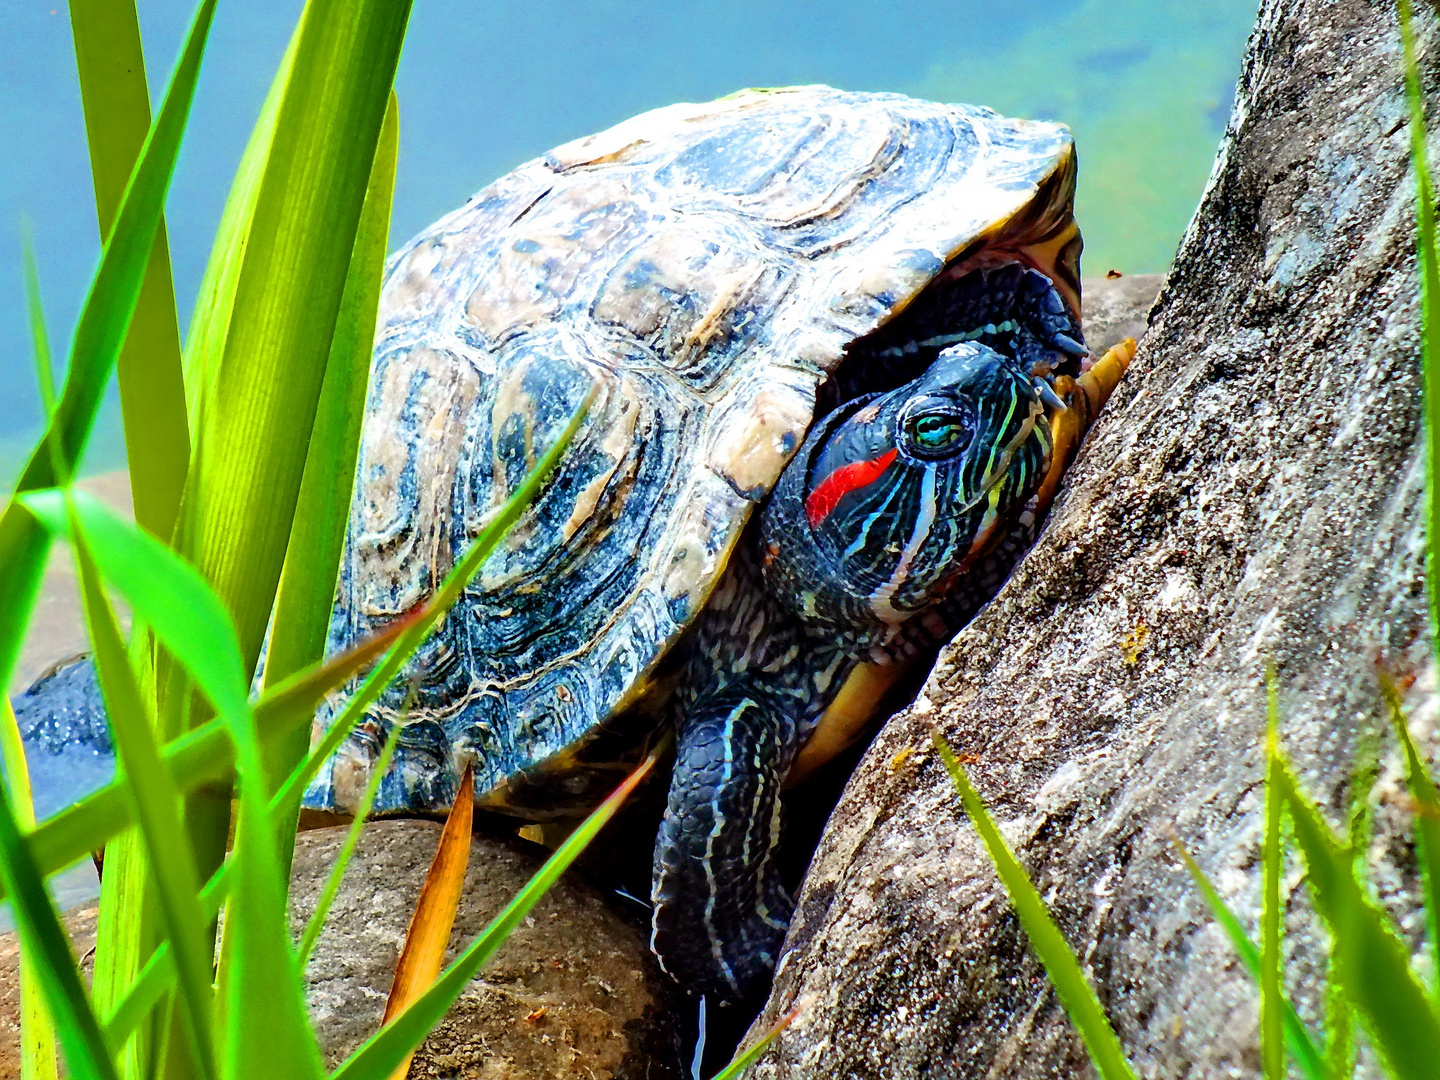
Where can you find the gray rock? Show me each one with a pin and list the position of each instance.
(1253, 493)
(574, 992)
(1116, 308)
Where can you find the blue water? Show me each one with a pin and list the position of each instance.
(1146, 84)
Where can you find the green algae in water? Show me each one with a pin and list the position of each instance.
(1146, 87)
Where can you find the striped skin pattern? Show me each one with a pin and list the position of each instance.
(720, 272)
(799, 605)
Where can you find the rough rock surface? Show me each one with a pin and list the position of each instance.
(1116, 308)
(573, 993)
(1253, 492)
(80, 925)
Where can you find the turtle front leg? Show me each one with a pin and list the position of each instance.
(720, 910)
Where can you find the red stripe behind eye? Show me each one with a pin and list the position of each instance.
(841, 482)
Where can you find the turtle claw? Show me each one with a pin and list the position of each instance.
(1083, 399)
(1046, 393)
(1066, 344)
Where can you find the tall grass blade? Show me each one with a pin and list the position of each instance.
(215, 301)
(267, 1028)
(158, 975)
(43, 939)
(1429, 312)
(259, 398)
(382, 1053)
(155, 799)
(116, 102)
(1066, 976)
(39, 339)
(1371, 961)
(99, 334)
(423, 954)
(151, 985)
(312, 559)
(1427, 826)
(1297, 1036)
(44, 369)
(37, 1033)
(166, 592)
(347, 848)
(255, 424)
(1272, 1048)
(444, 598)
(743, 1061)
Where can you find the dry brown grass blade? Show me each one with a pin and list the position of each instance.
(424, 953)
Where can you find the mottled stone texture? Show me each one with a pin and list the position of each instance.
(573, 992)
(1253, 491)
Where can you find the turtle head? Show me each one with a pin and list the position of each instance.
(894, 494)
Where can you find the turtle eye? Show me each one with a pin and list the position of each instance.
(937, 432)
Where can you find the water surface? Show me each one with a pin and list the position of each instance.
(1146, 85)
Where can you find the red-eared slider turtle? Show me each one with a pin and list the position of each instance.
(825, 329)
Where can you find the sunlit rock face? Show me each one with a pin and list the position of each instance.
(1253, 493)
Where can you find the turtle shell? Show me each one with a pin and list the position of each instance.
(705, 267)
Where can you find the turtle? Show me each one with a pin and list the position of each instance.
(827, 336)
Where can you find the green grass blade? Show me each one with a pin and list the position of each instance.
(740, 1062)
(460, 574)
(258, 400)
(39, 339)
(37, 1033)
(312, 559)
(215, 301)
(1429, 312)
(306, 591)
(1272, 1048)
(43, 939)
(116, 102)
(157, 977)
(1297, 1036)
(267, 1026)
(1427, 826)
(379, 1055)
(99, 334)
(1080, 1002)
(105, 317)
(1340, 1050)
(1371, 961)
(166, 592)
(152, 983)
(352, 838)
(156, 804)
(44, 370)
(258, 414)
